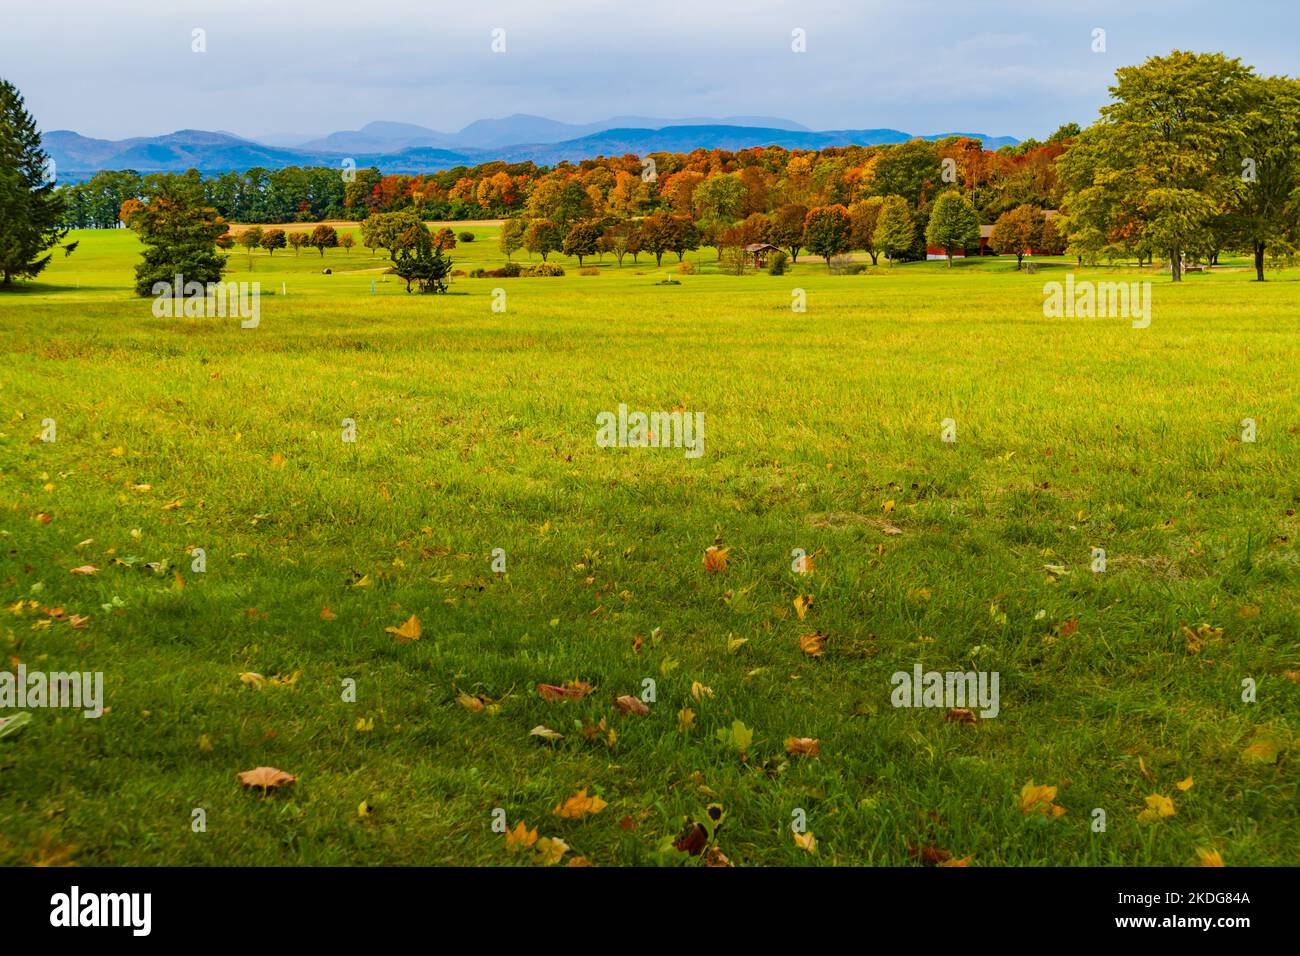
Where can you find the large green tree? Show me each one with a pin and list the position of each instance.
(895, 232)
(953, 223)
(31, 209)
(180, 234)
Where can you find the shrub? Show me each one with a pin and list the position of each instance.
(544, 269)
(777, 264)
(510, 270)
(465, 236)
(845, 266)
(458, 273)
(589, 271)
(686, 268)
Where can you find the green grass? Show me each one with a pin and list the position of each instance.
(476, 430)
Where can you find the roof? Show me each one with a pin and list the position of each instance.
(761, 247)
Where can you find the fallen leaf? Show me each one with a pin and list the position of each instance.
(579, 805)
(1158, 807)
(805, 841)
(253, 680)
(327, 615)
(802, 604)
(551, 850)
(715, 559)
(803, 746)
(964, 861)
(409, 631)
(1262, 750)
(811, 644)
(546, 733)
(268, 778)
(572, 690)
(520, 838)
(960, 715)
(1039, 799)
(1209, 857)
(628, 704)
(86, 569)
(685, 720)
(1184, 785)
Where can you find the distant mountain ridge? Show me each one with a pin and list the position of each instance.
(408, 148)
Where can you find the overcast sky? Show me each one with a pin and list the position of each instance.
(1002, 67)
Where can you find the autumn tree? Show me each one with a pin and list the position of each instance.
(866, 216)
(297, 239)
(179, 232)
(347, 241)
(786, 230)
(543, 237)
(272, 239)
(1018, 231)
(512, 236)
(323, 237)
(250, 239)
(582, 239)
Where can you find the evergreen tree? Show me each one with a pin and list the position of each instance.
(31, 210)
(180, 234)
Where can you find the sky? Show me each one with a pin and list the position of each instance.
(1000, 67)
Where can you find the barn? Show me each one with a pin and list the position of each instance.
(983, 249)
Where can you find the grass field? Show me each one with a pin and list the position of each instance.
(475, 430)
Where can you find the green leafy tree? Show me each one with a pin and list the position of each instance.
(180, 235)
(31, 210)
(659, 234)
(421, 260)
(512, 236)
(953, 223)
(828, 231)
(1266, 213)
(895, 232)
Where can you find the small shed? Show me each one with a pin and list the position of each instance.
(759, 251)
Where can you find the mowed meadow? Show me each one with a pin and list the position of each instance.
(476, 431)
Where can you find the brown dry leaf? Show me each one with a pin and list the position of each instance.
(327, 615)
(1293, 676)
(890, 529)
(715, 559)
(579, 805)
(86, 569)
(928, 855)
(715, 857)
(546, 733)
(409, 631)
(811, 644)
(570, 690)
(964, 861)
(628, 704)
(961, 715)
(268, 778)
(520, 838)
(803, 746)
(693, 841)
(253, 680)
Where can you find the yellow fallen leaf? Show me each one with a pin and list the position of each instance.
(253, 680)
(802, 603)
(1184, 785)
(327, 615)
(699, 691)
(1039, 799)
(1209, 857)
(546, 733)
(409, 631)
(803, 746)
(1158, 807)
(685, 720)
(1262, 750)
(579, 805)
(551, 849)
(806, 841)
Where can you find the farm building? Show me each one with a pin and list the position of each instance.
(758, 253)
(983, 249)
